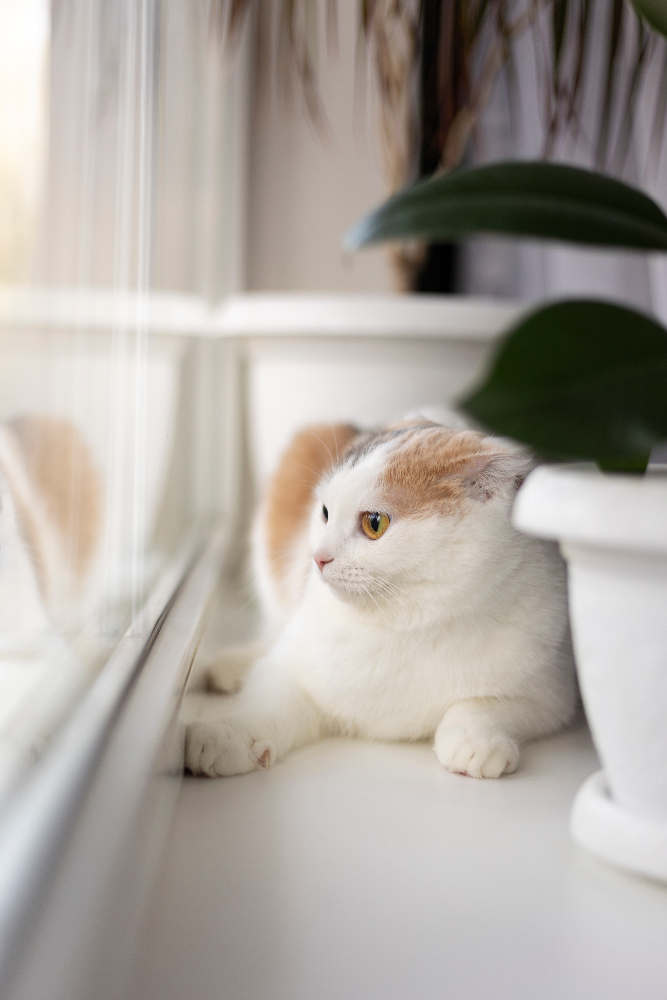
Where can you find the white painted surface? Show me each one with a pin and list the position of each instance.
(307, 185)
(257, 314)
(612, 533)
(361, 359)
(364, 871)
(81, 834)
(435, 317)
(585, 505)
(292, 384)
(616, 834)
(100, 309)
(617, 610)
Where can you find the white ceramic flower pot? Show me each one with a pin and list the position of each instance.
(612, 531)
(361, 359)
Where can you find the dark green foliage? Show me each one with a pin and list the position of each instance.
(534, 199)
(655, 12)
(579, 380)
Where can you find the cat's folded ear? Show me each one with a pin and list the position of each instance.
(496, 472)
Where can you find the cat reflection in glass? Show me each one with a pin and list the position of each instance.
(400, 604)
(50, 529)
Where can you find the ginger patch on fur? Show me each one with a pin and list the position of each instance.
(310, 455)
(428, 469)
(59, 464)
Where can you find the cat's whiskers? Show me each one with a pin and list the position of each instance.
(361, 593)
(393, 586)
(318, 438)
(307, 468)
(391, 590)
(389, 583)
(368, 591)
(389, 598)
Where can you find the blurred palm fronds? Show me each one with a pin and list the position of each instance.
(437, 61)
(598, 70)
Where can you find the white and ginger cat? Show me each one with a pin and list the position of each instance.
(50, 527)
(404, 603)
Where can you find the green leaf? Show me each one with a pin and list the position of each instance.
(653, 11)
(625, 465)
(533, 199)
(579, 380)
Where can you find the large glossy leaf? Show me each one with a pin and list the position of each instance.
(653, 11)
(581, 379)
(533, 199)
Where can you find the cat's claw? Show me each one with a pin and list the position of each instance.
(221, 749)
(476, 754)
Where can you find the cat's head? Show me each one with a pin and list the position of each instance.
(415, 505)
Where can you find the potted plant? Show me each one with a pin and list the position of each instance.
(582, 380)
(439, 68)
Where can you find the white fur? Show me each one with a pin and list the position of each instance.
(446, 627)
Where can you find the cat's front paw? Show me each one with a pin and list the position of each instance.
(220, 749)
(477, 754)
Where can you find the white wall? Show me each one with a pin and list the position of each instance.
(305, 189)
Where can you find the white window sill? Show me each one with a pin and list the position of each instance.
(81, 832)
(364, 870)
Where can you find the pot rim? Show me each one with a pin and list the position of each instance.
(579, 503)
(619, 836)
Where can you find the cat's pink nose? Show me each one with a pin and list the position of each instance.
(322, 561)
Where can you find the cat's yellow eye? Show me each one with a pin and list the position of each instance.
(374, 524)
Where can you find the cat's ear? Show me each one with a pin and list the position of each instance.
(500, 472)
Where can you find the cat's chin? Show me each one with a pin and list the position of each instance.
(352, 594)
(344, 592)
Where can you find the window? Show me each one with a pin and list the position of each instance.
(119, 201)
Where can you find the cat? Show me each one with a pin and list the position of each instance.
(50, 527)
(403, 603)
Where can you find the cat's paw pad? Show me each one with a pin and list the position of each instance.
(221, 749)
(479, 755)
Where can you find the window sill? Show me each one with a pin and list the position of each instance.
(81, 833)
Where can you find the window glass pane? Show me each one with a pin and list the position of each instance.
(117, 228)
